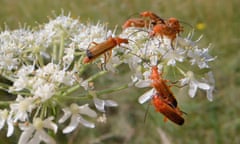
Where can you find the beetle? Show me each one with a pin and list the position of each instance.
(103, 48)
(136, 22)
(154, 17)
(168, 111)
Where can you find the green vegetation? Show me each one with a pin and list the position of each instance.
(206, 122)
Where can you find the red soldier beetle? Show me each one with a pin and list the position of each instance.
(170, 29)
(140, 22)
(136, 22)
(154, 17)
(159, 84)
(103, 48)
(163, 98)
(168, 111)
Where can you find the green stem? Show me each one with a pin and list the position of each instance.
(4, 86)
(7, 76)
(54, 54)
(40, 59)
(74, 88)
(61, 51)
(85, 96)
(112, 90)
(5, 103)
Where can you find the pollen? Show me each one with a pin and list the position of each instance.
(38, 123)
(201, 26)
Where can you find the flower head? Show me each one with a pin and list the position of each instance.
(75, 112)
(5, 117)
(22, 108)
(194, 84)
(34, 133)
(100, 104)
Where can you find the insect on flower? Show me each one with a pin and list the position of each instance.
(167, 110)
(171, 28)
(136, 22)
(162, 97)
(103, 48)
(160, 85)
(141, 22)
(154, 17)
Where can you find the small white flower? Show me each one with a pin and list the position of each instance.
(45, 91)
(174, 55)
(145, 82)
(200, 57)
(100, 104)
(47, 71)
(90, 33)
(25, 70)
(57, 27)
(22, 78)
(69, 55)
(6, 118)
(8, 61)
(21, 108)
(19, 84)
(64, 77)
(35, 133)
(193, 84)
(75, 112)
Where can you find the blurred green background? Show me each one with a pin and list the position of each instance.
(216, 122)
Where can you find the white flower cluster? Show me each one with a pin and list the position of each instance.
(186, 59)
(44, 67)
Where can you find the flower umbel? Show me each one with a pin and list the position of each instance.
(45, 71)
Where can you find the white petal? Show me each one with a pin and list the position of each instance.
(84, 84)
(86, 123)
(203, 86)
(99, 104)
(171, 62)
(87, 111)
(110, 103)
(45, 137)
(209, 93)
(73, 124)
(184, 81)
(146, 96)
(35, 139)
(10, 129)
(192, 89)
(2, 122)
(47, 123)
(26, 135)
(66, 115)
(154, 60)
(143, 83)
(202, 65)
